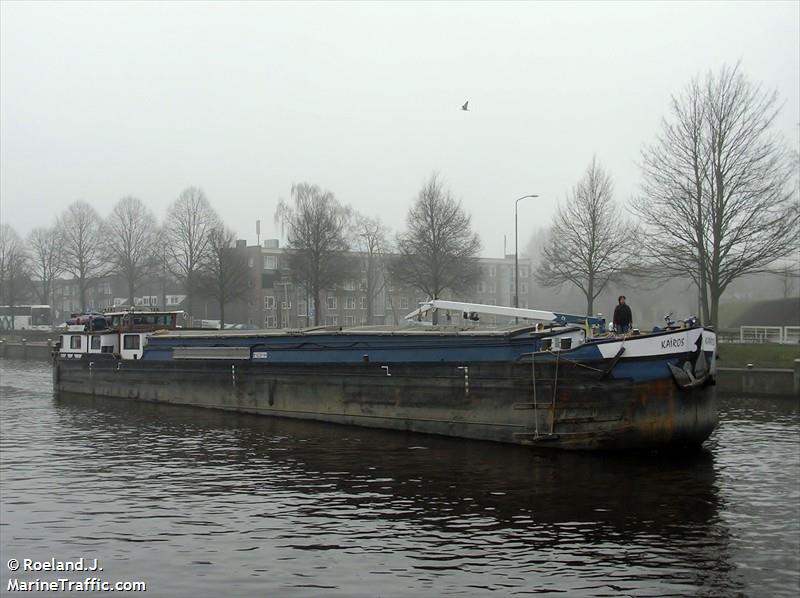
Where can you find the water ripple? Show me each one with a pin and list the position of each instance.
(201, 503)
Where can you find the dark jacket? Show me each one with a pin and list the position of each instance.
(623, 315)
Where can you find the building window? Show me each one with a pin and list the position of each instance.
(75, 342)
(130, 341)
(331, 320)
(286, 304)
(95, 343)
(363, 286)
(269, 302)
(403, 302)
(270, 322)
(492, 271)
(270, 262)
(349, 302)
(364, 303)
(349, 321)
(349, 285)
(331, 303)
(302, 307)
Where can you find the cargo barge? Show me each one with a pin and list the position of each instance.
(553, 380)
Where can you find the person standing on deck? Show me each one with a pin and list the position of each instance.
(623, 318)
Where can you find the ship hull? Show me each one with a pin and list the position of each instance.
(566, 405)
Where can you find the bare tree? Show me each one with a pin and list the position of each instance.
(439, 249)
(591, 242)
(317, 239)
(788, 274)
(132, 241)
(46, 261)
(225, 271)
(371, 242)
(84, 253)
(14, 268)
(718, 198)
(190, 220)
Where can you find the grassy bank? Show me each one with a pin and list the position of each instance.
(761, 355)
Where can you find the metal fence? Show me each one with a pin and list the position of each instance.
(769, 334)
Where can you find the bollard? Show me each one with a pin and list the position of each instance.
(2, 348)
(24, 348)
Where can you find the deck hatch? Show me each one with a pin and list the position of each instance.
(211, 353)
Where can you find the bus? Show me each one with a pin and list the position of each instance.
(25, 317)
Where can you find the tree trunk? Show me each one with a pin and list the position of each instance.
(715, 294)
(130, 292)
(222, 314)
(82, 294)
(315, 293)
(370, 292)
(590, 296)
(189, 288)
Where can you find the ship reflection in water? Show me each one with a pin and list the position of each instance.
(205, 503)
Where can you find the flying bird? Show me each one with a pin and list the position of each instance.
(464, 107)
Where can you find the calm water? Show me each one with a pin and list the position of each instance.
(200, 503)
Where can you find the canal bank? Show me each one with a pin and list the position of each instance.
(25, 349)
(760, 382)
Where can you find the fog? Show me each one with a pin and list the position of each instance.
(98, 101)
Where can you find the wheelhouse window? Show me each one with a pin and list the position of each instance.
(130, 341)
(75, 342)
(95, 343)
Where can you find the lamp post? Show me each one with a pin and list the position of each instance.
(516, 248)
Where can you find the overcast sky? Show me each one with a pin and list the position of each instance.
(103, 100)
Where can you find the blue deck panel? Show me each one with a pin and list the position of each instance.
(350, 349)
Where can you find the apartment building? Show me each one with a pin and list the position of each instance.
(273, 300)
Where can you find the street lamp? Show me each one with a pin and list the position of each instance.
(516, 249)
